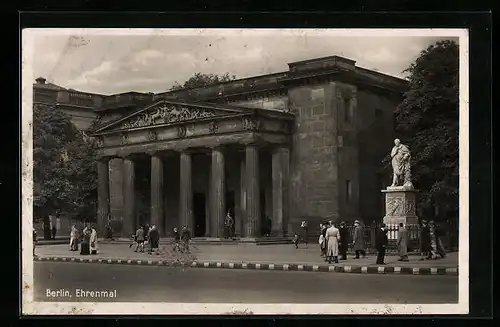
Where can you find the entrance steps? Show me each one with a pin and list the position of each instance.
(215, 241)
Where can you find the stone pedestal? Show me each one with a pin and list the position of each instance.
(400, 205)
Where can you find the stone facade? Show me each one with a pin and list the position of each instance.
(302, 144)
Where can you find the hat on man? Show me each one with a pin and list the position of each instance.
(357, 222)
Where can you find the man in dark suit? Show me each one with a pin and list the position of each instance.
(344, 241)
(381, 242)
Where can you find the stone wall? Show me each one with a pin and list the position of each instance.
(313, 166)
(348, 151)
(271, 103)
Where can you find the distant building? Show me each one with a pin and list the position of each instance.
(302, 144)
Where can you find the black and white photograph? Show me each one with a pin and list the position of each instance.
(245, 171)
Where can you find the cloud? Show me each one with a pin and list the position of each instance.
(152, 63)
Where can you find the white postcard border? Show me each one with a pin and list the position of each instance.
(29, 307)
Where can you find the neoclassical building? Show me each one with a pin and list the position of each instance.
(302, 144)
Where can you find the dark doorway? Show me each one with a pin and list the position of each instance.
(264, 228)
(199, 212)
(230, 204)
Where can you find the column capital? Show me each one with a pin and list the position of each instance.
(281, 147)
(218, 147)
(253, 144)
(153, 153)
(187, 151)
(104, 159)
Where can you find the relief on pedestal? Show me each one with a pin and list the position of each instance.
(251, 124)
(410, 207)
(166, 114)
(152, 136)
(394, 207)
(181, 131)
(213, 128)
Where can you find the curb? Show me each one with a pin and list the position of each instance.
(267, 266)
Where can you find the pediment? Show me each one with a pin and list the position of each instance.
(168, 112)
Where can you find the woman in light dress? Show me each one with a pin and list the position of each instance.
(73, 240)
(332, 238)
(93, 241)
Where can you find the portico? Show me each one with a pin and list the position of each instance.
(203, 160)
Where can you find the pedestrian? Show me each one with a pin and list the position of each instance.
(93, 240)
(333, 238)
(439, 234)
(425, 241)
(35, 235)
(344, 241)
(109, 230)
(323, 236)
(177, 239)
(228, 225)
(296, 240)
(321, 240)
(139, 238)
(185, 237)
(305, 235)
(359, 240)
(85, 245)
(154, 240)
(402, 243)
(146, 233)
(381, 242)
(54, 231)
(433, 247)
(269, 225)
(73, 239)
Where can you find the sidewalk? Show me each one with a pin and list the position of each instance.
(57, 240)
(256, 257)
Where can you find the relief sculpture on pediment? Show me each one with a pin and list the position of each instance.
(167, 114)
(252, 124)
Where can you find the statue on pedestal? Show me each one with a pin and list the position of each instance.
(401, 156)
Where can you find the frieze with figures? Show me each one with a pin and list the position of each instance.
(251, 124)
(166, 114)
(213, 128)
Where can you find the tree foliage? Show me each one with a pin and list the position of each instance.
(199, 79)
(64, 171)
(428, 120)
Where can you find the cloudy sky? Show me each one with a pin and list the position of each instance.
(152, 62)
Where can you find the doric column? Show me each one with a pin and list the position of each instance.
(102, 196)
(218, 193)
(252, 223)
(157, 192)
(186, 191)
(280, 178)
(129, 221)
(240, 214)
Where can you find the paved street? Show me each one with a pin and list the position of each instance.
(276, 254)
(164, 284)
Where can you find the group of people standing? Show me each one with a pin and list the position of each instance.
(148, 236)
(431, 244)
(85, 238)
(334, 242)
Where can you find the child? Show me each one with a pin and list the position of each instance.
(296, 240)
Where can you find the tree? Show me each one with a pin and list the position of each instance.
(428, 120)
(199, 79)
(64, 166)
